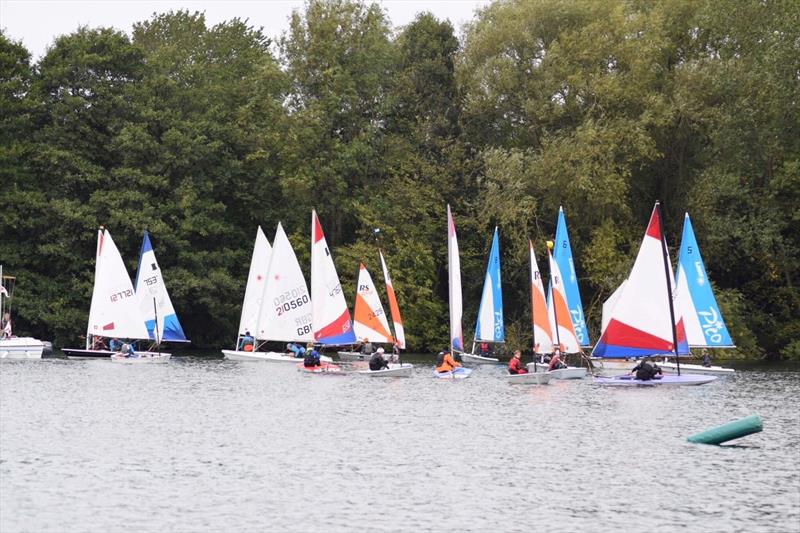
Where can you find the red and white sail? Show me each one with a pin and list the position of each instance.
(370, 322)
(542, 333)
(399, 333)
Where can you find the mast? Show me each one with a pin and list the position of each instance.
(665, 255)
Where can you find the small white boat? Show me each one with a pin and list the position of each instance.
(458, 373)
(394, 371)
(571, 372)
(669, 380)
(142, 358)
(672, 368)
(270, 357)
(21, 348)
(475, 359)
(531, 378)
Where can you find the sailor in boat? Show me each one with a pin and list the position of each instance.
(295, 350)
(247, 344)
(445, 362)
(395, 353)
(98, 343)
(114, 344)
(126, 351)
(645, 371)
(366, 348)
(6, 327)
(485, 349)
(377, 361)
(555, 361)
(311, 359)
(706, 358)
(515, 365)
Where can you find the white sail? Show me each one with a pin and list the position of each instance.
(542, 331)
(608, 306)
(286, 306)
(370, 319)
(154, 299)
(256, 279)
(454, 271)
(399, 332)
(331, 317)
(115, 308)
(558, 311)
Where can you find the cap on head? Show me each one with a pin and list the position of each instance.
(380, 350)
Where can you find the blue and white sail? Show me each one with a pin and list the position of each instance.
(150, 286)
(489, 326)
(705, 326)
(563, 256)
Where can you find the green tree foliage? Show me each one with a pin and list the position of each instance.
(199, 134)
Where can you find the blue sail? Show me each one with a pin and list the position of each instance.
(149, 288)
(489, 326)
(705, 326)
(563, 256)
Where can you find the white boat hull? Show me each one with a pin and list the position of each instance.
(353, 356)
(394, 371)
(571, 372)
(458, 373)
(142, 358)
(475, 359)
(21, 348)
(269, 357)
(531, 378)
(672, 368)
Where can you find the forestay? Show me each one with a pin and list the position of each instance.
(330, 316)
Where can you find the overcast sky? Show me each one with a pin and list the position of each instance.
(37, 22)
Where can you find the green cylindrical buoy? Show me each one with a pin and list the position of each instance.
(730, 431)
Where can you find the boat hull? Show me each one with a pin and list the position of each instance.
(531, 378)
(21, 348)
(672, 368)
(269, 357)
(668, 380)
(612, 367)
(324, 368)
(458, 373)
(571, 372)
(143, 358)
(394, 371)
(475, 359)
(78, 353)
(353, 356)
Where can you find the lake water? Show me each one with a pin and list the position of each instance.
(204, 444)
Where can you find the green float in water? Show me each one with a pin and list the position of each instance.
(730, 431)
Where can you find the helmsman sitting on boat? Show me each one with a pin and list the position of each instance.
(247, 344)
(515, 365)
(311, 359)
(377, 361)
(646, 371)
(445, 362)
(555, 361)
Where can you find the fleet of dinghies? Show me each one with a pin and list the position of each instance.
(652, 312)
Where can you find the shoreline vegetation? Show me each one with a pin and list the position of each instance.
(199, 134)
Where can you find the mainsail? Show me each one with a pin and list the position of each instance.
(563, 256)
(640, 320)
(705, 326)
(542, 334)
(558, 312)
(399, 333)
(330, 316)
(489, 326)
(256, 279)
(454, 270)
(370, 320)
(286, 306)
(149, 287)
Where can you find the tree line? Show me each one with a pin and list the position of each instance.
(200, 133)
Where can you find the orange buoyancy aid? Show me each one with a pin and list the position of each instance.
(448, 365)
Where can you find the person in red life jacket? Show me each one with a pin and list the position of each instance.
(445, 362)
(555, 362)
(515, 365)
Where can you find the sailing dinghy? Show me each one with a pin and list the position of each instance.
(115, 309)
(371, 323)
(705, 327)
(489, 325)
(276, 306)
(541, 329)
(456, 305)
(644, 321)
(16, 347)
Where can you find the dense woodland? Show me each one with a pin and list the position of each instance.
(199, 134)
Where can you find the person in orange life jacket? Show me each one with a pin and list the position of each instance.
(515, 365)
(377, 362)
(247, 343)
(555, 362)
(445, 362)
